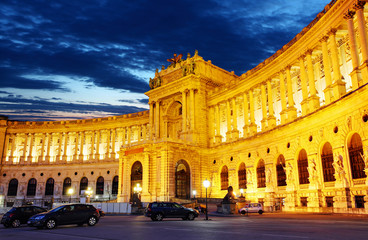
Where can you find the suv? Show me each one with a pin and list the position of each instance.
(66, 214)
(252, 208)
(19, 215)
(160, 210)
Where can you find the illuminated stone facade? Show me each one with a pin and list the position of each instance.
(292, 132)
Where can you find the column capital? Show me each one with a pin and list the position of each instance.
(349, 14)
(288, 67)
(332, 31)
(309, 51)
(358, 5)
(323, 39)
(301, 57)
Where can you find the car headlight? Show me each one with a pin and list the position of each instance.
(39, 217)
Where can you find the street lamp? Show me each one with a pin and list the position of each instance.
(89, 192)
(70, 193)
(206, 184)
(241, 191)
(194, 193)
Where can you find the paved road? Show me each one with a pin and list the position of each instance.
(266, 226)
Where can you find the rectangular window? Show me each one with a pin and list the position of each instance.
(304, 201)
(359, 201)
(329, 201)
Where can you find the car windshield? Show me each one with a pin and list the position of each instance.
(12, 210)
(56, 209)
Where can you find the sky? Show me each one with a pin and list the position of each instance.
(63, 60)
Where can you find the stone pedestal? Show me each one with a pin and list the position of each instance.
(291, 201)
(269, 203)
(228, 208)
(315, 201)
(342, 200)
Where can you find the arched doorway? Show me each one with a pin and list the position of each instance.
(83, 185)
(224, 178)
(136, 178)
(357, 164)
(261, 174)
(303, 167)
(182, 180)
(13, 188)
(242, 176)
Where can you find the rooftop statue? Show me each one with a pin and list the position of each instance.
(176, 59)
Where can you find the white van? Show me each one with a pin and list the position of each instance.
(251, 208)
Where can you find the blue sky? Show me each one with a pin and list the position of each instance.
(63, 60)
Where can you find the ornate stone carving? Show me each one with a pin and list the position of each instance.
(340, 174)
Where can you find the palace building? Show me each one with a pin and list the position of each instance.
(291, 133)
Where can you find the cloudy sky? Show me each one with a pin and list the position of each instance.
(93, 58)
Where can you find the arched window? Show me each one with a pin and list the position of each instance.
(261, 174)
(115, 185)
(224, 178)
(66, 185)
(327, 160)
(31, 188)
(136, 177)
(281, 175)
(83, 185)
(100, 186)
(242, 176)
(13, 187)
(303, 167)
(49, 189)
(355, 154)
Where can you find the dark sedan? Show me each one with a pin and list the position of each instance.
(160, 210)
(20, 215)
(66, 214)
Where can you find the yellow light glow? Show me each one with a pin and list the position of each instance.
(206, 183)
(70, 191)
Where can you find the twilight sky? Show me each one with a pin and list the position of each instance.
(79, 59)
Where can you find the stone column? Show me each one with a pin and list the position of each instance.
(184, 109)
(31, 143)
(327, 70)
(98, 139)
(291, 111)
(23, 159)
(81, 150)
(253, 125)
(75, 157)
(113, 142)
(108, 142)
(359, 7)
(246, 115)
(228, 121)
(93, 148)
(14, 138)
(303, 78)
(211, 121)
(59, 156)
(338, 85)
(6, 149)
(271, 120)
(264, 107)
(42, 158)
(218, 137)
(49, 142)
(129, 134)
(157, 120)
(283, 112)
(313, 100)
(66, 136)
(144, 132)
(151, 119)
(192, 105)
(145, 178)
(235, 131)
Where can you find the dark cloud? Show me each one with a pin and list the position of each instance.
(111, 43)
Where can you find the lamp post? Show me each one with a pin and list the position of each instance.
(70, 193)
(194, 194)
(241, 191)
(89, 192)
(206, 184)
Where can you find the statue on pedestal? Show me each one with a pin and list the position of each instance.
(339, 171)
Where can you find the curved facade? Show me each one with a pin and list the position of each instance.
(292, 132)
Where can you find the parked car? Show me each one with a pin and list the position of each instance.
(160, 210)
(252, 208)
(20, 215)
(66, 214)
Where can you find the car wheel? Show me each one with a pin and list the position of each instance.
(260, 211)
(50, 224)
(92, 221)
(159, 217)
(15, 223)
(243, 212)
(191, 216)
